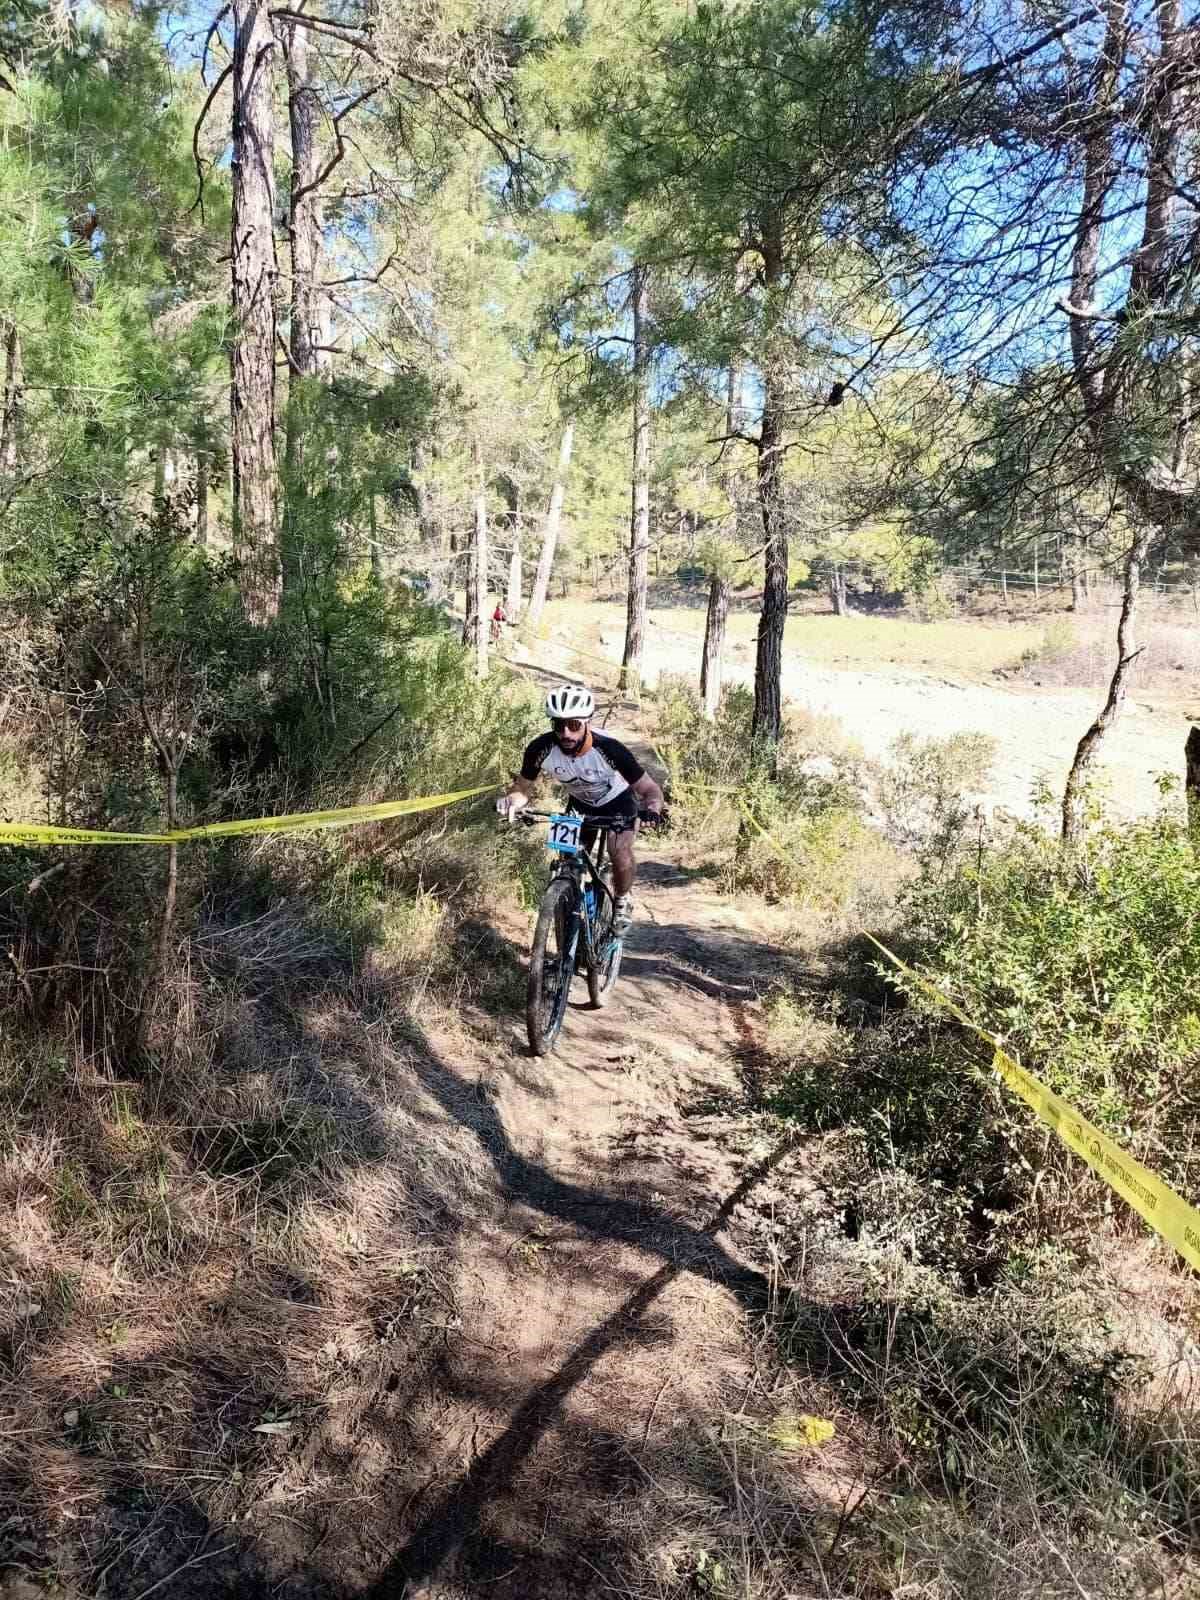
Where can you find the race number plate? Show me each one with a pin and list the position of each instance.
(563, 835)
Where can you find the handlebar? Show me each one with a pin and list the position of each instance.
(604, 824)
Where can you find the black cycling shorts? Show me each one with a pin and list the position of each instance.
(623, 809)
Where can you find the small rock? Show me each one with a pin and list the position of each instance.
(818, 767)
(71, 1418)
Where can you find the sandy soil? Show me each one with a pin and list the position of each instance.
(1037, 728)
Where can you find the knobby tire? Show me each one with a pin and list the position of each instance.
(551, 965)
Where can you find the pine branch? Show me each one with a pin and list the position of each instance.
(339, 153)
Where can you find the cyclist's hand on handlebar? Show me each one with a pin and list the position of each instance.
(509, 806)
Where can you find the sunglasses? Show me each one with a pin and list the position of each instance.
(569, 725)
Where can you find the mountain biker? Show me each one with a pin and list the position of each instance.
(604, 779)
(499, 618)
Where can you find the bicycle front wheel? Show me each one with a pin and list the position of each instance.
(551, 964)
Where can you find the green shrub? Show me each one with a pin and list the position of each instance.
(355, 694)
(1016, 1424)
(1090, 969)
(817, 769)
(697, 751)
(812, 844)
(1059, 639)
(721, 752)
(922, 789)
(952, 1379)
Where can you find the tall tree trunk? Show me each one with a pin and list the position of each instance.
(254, 272)
(513, 599)
(201, 481)
(512, 591)
(308, 328)
(541, 582)
(712, 657)
(767, 724)
(481, 584)
(1075, 797)
(1078, 589)
(1156, 493)
(714, 644)
(432, 535)
(837, 590)
(639, 522)
(1191, 753)
(476, 621)
(377, 571)
(469, 591)
(12, 413)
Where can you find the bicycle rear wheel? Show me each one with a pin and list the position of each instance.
(602, 973)
(551, 964)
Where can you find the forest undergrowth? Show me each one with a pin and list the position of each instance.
(311, 1285)
(1025, 1353)
(193, 1168)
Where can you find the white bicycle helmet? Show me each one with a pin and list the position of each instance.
(570, 700)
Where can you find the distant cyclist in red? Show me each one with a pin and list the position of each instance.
(499, 618)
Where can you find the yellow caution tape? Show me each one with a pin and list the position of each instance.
(1155, 1201)
(34, 833)
(769, 837)
(1168, 1213)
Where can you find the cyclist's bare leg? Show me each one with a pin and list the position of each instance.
(620, 848)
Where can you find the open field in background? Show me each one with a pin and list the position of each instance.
(883, 676)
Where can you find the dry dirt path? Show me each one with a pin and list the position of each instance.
(605, 1311)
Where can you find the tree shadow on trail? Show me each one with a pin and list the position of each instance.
(452, 1529)
(327, 1107)
(606, 1216)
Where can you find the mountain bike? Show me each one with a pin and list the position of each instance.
(574, 926)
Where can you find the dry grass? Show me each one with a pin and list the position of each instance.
(1047, 1498)
(1081, 653)
(745, 1518)
(194, 1257)
(872, 642)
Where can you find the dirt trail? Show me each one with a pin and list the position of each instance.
(605, 1310)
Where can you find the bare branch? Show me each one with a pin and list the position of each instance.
(339, 153)
(357, 277)
(208, 39)
(204, 110)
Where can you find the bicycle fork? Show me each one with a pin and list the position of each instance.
(582, 926)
